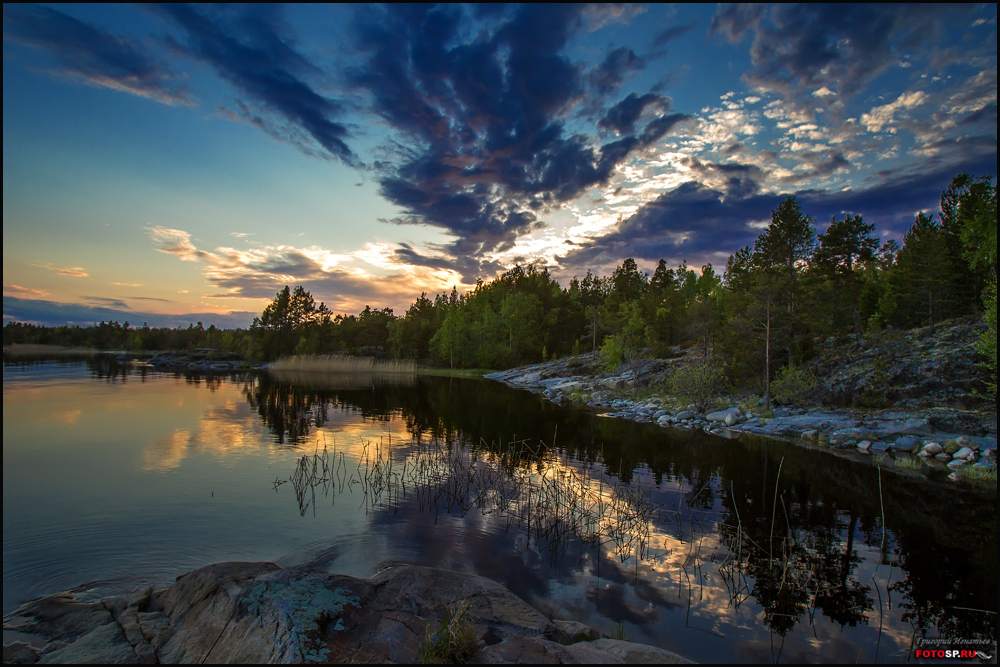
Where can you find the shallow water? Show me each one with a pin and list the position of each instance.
(722, 550)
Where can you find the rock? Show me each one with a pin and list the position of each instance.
(730, 416)
(261, 613)
(943, 456)
(956, 464)
(846, 434)
(684, 414)
(932, 448)
(965, 453)
(906, 443)
(916, 427)
(809, 434)
(864, 445)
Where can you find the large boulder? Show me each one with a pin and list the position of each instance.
(261, 613)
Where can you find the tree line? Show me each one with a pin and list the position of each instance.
(769, 307)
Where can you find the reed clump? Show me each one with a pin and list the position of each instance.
(985, 477)
(343, 364)
(455, 642)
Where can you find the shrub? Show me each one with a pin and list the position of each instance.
(698, 383)
(793, 385)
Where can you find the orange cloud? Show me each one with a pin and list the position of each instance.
(23, 292)
(72, 271)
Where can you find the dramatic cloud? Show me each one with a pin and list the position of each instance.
(702, 223)
(800, 49)
(480, 136)
(93, 56)
(375, 274)
(482, 121)
(247, 49)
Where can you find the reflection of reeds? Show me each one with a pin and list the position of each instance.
(335, 363)
(517, 483)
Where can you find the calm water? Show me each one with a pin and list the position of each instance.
(722, 550)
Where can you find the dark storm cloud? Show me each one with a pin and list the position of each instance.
(482, 119)
(614, 69)
(53, 313)
(798, 48)
(93, 55)
(247, 49)
(622, 116)
(696, 221)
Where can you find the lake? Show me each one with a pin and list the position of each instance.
(744, 550)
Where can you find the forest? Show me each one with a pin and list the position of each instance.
(766, 310)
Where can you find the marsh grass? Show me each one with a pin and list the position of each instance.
(903, 462)
(454, 642)
(985, 477)
(515, 483)
(335, 363)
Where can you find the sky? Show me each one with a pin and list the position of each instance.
(171, 164)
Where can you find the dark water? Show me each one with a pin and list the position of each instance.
(721, 550)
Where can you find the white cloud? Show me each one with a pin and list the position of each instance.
(883, 116)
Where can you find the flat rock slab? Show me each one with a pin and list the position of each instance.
(262, 613)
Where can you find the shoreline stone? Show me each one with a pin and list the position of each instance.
(889, 431)
(262, 613)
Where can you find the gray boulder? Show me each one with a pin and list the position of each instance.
(729, 416)
(260, 613)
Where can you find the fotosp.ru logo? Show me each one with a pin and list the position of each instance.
(955, 649)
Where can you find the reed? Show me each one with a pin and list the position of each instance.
(985, 477)
(335, 363)
(513, 482)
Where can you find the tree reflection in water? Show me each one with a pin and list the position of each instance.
(793, 543)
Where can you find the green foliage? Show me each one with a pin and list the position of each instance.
(793, 385)
(454, 642)
(698, 383)
(987, 343)
(289, 324)
(921, 283)
(845, 244)
(624, 346)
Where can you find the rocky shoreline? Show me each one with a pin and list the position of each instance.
(262, 613)
(201, 360)
(944, 438)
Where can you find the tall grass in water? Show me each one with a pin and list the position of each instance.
(334, 363)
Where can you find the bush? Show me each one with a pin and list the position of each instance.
(793, 385)
(698, 383)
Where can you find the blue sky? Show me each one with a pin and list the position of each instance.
(178, 163)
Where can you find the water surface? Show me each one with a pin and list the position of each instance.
(722, 550)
